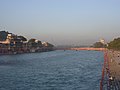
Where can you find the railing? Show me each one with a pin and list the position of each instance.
(105, 82)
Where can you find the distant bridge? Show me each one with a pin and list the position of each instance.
(86, 48)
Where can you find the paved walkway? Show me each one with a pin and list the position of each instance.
(114, 64)
(114, 68)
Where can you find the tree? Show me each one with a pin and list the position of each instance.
(22, 38)
(99, 45)
(32, 42)
(39, 43)
(115, 44)
(3, 35)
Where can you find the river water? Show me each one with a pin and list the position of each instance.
(56, 70)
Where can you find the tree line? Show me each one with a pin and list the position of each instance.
(114, 44)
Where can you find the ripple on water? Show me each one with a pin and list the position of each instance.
(57, 70)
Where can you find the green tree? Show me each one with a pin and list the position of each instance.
(115, 44)
(99, 45)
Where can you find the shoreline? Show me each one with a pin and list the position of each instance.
(111, 71)
(89, 48)
(114, 64)
(21, 51)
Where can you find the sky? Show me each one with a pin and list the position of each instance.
(62, 22)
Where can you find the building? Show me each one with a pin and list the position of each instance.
(46, 44)
(10, 43)
(102, 41)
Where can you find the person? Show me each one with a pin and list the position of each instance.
(111, 78)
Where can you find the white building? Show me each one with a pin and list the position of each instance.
(102, 41)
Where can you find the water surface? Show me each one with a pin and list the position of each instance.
(56, 70)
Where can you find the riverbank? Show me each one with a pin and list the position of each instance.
(111, 71)
(14, 44)
(6, 51)
(89, 48)
(114, 64)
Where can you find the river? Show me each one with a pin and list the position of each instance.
(55, 70)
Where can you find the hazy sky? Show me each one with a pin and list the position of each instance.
(62, 22)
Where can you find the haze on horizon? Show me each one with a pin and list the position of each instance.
(62, 22)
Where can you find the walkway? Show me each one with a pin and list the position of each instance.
(111, 71)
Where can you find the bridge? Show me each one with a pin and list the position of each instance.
(85, 48)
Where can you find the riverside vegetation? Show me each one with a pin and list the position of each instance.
(114, 44)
